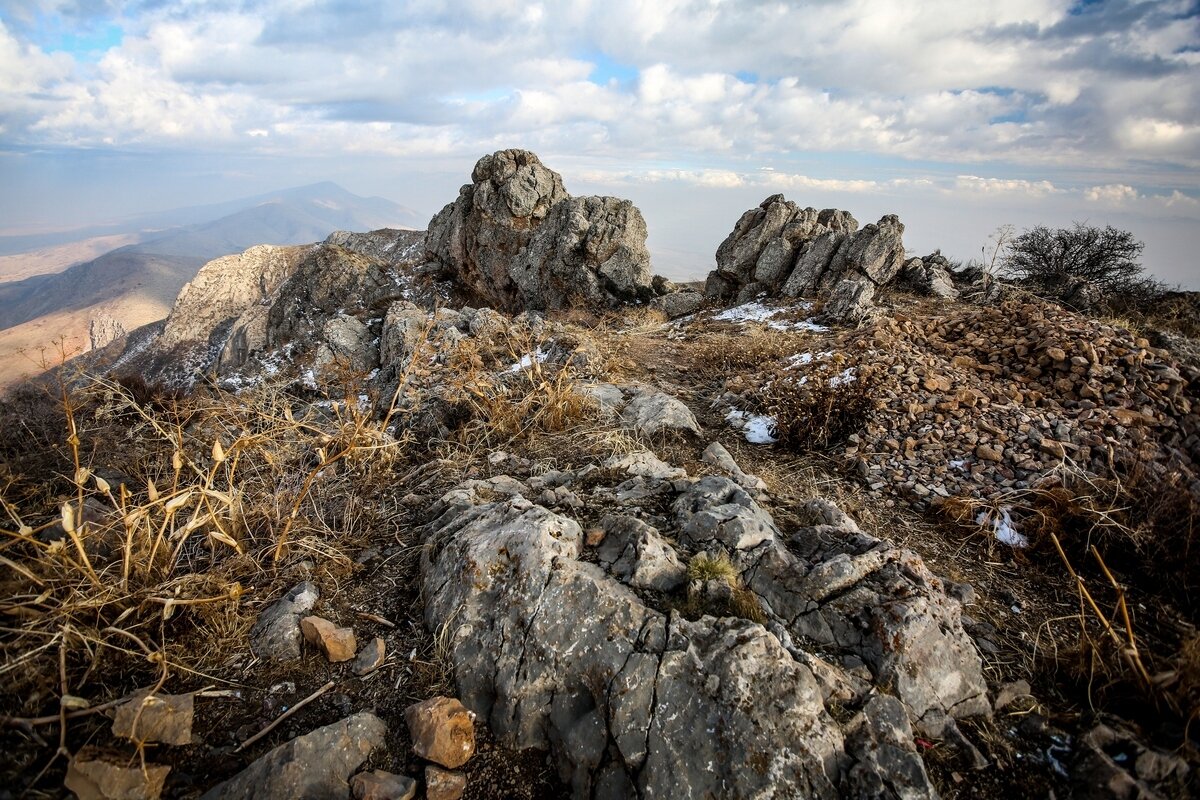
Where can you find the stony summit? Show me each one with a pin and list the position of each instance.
(492, 510)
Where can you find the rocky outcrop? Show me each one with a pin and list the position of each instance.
(568, 643)
(514, 239)
(224, 288)
(780, 248)
(103, 330)
(930, 276)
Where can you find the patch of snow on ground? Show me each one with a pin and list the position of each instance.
(1002, 525)
(757, 311)
(757, 428)
(844, 378)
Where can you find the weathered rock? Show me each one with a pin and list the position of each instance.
(92, 775)
(442, 784)
(165, 718)
(651, 412)
(607, 397)
(779, 248)
(346, 342)
(443, 731)
(371, 657)
(317, 764)
(336, 644)
(103, 330)
(515, 239)
(837, 587)
(636, 553)
(646, 465)
(719, 457)
(678, 304)
(380, 785)
(930, 275)
(886, 763)
(589, 251)
(394, 246)
(276, 634)
(1142, 773)
(624, 698)
(715, 510)
(225, 288)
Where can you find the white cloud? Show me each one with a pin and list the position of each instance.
(976, 184)
(1113, 194)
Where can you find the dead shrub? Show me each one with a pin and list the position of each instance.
(819, 408)
(755, 348)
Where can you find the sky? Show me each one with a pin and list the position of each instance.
(958, 116)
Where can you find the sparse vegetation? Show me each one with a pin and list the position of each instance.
(735, 599)
(1052, 262)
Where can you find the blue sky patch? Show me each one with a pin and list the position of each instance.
(85, 44)
(606, 69)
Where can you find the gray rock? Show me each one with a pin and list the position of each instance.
(316, 765)
(403, 328)
(719, 457)
(276, 634)
(930, 276)
(812, 263)
(678, 304)
(716, 510)
(224, 289)
(779, 248)
(645, 464)
(589, 251)
(348, 342)
(514, 239)
(886, 763)
(607, 397)
(852, 298)
(636, 554)
(103, 330)
(650, 412)
(622, 697)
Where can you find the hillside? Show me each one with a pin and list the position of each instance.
(137, 283)
(492, 510)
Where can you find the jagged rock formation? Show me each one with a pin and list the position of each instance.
(224, 288)
(103, 330)
(559, 653)
(312, 305)
(780, 248)
(514, 239)
(930, 275)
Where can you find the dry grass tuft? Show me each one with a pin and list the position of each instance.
(740, 602)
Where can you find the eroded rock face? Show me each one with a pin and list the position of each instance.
(553, 651)
(779, 248)
(224, 289)
(514, 239)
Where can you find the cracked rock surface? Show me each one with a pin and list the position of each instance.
(593, 662)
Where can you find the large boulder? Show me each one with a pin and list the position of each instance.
(779, 248)
(514, 240)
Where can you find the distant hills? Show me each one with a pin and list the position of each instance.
(137, 283)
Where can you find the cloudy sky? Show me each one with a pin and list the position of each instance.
(959, 116)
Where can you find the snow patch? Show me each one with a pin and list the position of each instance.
(757, 311)
(757, 428)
